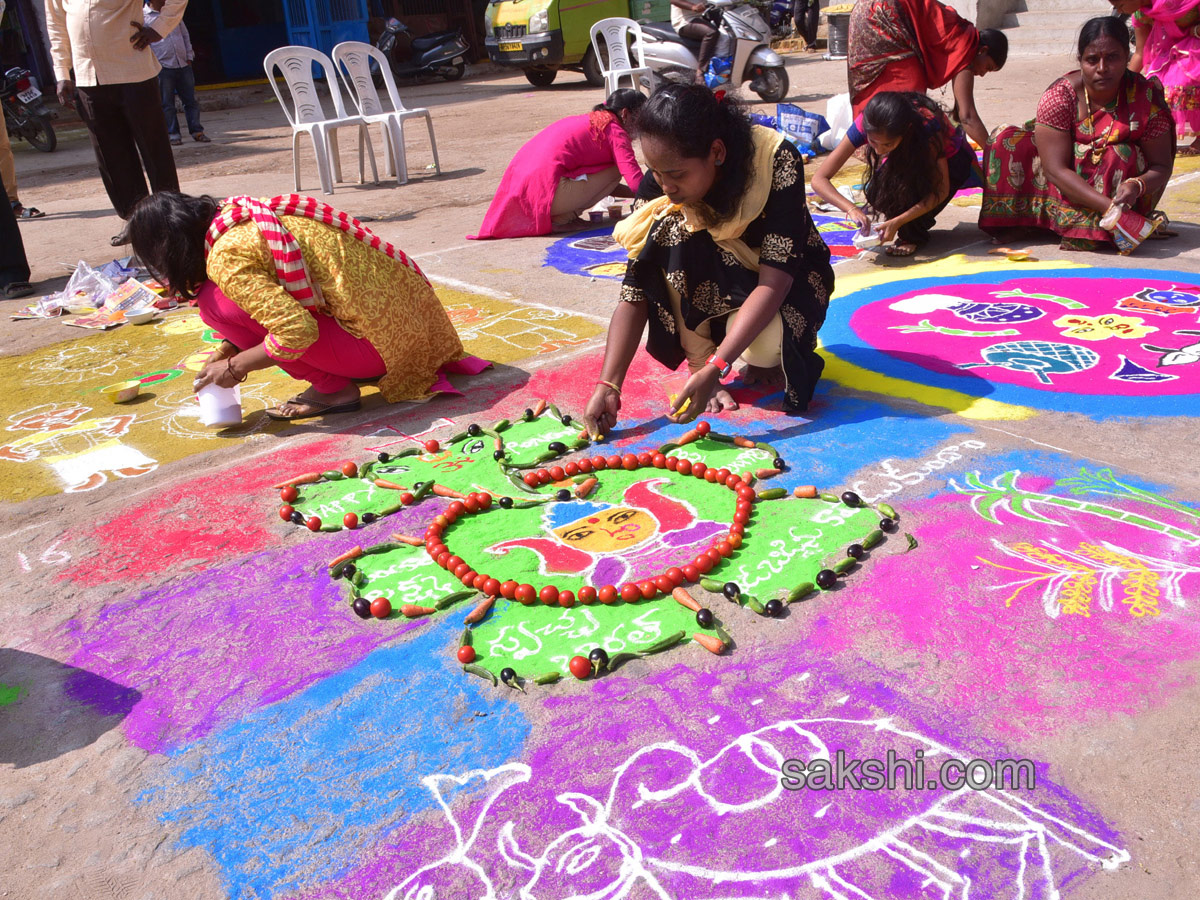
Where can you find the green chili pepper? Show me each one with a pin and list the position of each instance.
(336, 572)
(482, 673)
(407, 451)
(722, 634)
(450, 599)
(772, 494)
(767, 447)
(756, 606)
(711, 584)
(720, 438)
(389, 510)
(501, 425)
(800, 591)
(359, 578)
(526, 504)
(912, 541)
(554, 410)
(332, 475)
(580, 443)
(423, 491)
(547, 456)
(844, 565)
(548, 678)
(669, 641)
(333, 527)
(887, 511)
(830, 498)
(618, 658)
(454, 439)
(491, 433)
(465, 640)
(383, 548)
(668, 447)
(872, 539)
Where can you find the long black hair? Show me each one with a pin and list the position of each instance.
(910, 172)
(618, 102)
(689, 117)
(167, 232)
(1103, 26)
(995, 42)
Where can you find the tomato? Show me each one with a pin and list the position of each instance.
(599, 462)
(684, 467)
(714, 554)
(691, 572)
(548, 595)
(587, 595)
(741, 517)
(557, 473)
(673, 463)
(508, 590)
(647, 590)
(531, 479)
(566, 599)
(676, 575)
(406, 498)
(607, 594)
(453, 563)
(703, 428)
(350, 470)
(543, 476)
(629, 462)
(442, 558)
(725, 548)
(659, 461)
(289, 494)
(664, 584)
(485, 500)
(285, 513)
(460, 570)
(722, 476)
(735, 539)
(526, 594)
(698, 469)
(432, 446)
(313, 523)
(350, 520)
(581, 667)
(468, 577)
(456, 509)
(466, 655)
(571, 469)
(644, 458)
(585, 466)
(703, 563)
(491, 587)
(479, 581)
(630, 592)
(381, 607)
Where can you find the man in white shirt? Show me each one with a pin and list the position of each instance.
(687, 21)
(115, 88)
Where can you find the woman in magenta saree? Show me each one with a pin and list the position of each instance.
(1168, 48)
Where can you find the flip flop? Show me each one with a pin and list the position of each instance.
(28, 212)
(17, 289)
(318, 409)
(900, 249)
(1189, 150)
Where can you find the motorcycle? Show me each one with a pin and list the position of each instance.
(25, 115)
(442, 54)
(745, 38)
(781, 19)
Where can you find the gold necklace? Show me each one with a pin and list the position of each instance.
(1098, 153)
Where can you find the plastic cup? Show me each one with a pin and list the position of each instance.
(220, 407)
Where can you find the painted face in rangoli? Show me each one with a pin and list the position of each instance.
(617, 528)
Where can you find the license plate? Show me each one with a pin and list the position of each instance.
(510, 45)
(29, 95)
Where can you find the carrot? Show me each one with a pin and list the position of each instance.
(306, 478)
(479, 611)
(805, 492)
(684, 598)
(408, 539)
(766, 473)
(442, 491)
(539, 409)
(390, 485)
(709, 643)
(499, 443)
(748, 478)
(744, 442)
(582, 490)
(352, 553)
(412, 611)
(687, 437)
(584, 436)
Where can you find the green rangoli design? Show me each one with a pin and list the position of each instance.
(631, 529)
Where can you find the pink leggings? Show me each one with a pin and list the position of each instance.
(329, 364)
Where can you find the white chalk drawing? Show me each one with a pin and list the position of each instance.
(1177, 356)
(1071, 579)
(668, 811)
(81, 452)
(896, 480)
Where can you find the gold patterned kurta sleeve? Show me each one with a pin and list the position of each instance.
(241, 266)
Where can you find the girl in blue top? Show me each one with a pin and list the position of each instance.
(916, 160)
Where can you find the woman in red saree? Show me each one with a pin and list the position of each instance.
(919, 45)
(1096, 160)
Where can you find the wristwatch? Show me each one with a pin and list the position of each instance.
(722, 367)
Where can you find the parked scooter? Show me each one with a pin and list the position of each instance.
(745, 36)
(442, 54)
(781, 19)
(25, 115)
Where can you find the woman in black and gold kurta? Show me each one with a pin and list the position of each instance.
(724, 260)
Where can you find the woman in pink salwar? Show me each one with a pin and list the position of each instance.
(1168, 48)
(566, 168)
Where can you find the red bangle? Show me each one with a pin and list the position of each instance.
(722, 367)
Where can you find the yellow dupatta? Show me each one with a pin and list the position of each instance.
(633, 232)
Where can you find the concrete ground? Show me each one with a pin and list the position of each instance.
(186, 710)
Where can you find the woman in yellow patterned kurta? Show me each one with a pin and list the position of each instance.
(371, 315)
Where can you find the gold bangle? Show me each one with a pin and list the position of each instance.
(610, 385)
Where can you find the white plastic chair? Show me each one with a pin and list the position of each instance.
(616, 32)
(353, 61)
(307, 116)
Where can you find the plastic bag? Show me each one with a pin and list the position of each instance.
(801, 127)
(840, 116)
(719, 71)
(86, 288)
